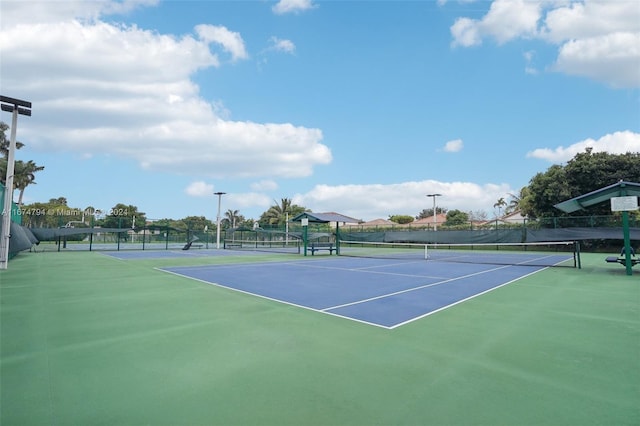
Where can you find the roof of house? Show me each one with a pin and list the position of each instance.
(440, 218)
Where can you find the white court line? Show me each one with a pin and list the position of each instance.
(473, 296)
(366, 270)
(214, 284)
(416, 288)
(326, 311)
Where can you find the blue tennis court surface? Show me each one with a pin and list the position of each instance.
(385, 293)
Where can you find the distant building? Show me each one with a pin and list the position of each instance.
(441, 218)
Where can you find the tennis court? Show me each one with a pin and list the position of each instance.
(92, 339)
(381, 292)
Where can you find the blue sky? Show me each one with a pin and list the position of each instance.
(357, 107)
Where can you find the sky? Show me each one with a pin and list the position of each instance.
(356, 107)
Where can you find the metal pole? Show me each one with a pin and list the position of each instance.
(435, 217)
(8, 195)
(435, 220)
(219, 194)
(15, 106)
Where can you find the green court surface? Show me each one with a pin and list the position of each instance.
(92, 340)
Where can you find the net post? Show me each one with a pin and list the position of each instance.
(118, 233)
(577, 254)
(305, 234)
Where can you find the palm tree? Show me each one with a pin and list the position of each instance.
(4, 142)
(500, 204)
(233, 217)
(515, 200)
(277, 214)
(24, 176)
(24, 173)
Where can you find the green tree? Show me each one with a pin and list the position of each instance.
(53, 214)
(24, 176)
(545, 190)
(499, 205)
(60, 201)
(584, 173)
(426, 213)
(456, 217)
(4, 142)
(276, 215)
(122, 216)
(232, 219)
(195, 223)
(24, 172)
(401, 218)
(515, 200)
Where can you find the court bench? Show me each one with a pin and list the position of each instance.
(621, 260)
(232, 245)
(322, 246)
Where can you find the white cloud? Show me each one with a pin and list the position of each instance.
(614, 58)
(590, 18)
(529, 57)
(101, 88)
(292, 6)
(199, 189)
(597, 39)
(368, 202)
(229, 40)
(466, 33)
(249, 200)
(48, 11)
(455, 145)
(505, 20)
(615, 143)
(264, 185)
(282, 45)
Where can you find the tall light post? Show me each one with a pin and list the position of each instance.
(435, 219)
(219, 194)
(15, 106)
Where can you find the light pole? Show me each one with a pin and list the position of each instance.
(435, 220)
(15, 106)
(219, 194)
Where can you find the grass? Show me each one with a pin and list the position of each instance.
(88, 339)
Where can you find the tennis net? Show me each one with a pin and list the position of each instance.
(563, 253)
(275, 246)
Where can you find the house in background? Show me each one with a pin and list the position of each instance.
(441, 218)
(513, 218)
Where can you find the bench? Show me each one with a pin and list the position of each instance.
(321, 246)
(621, 260)
(229, 245)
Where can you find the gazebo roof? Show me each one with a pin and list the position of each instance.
(619, 189)
(323, 218)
